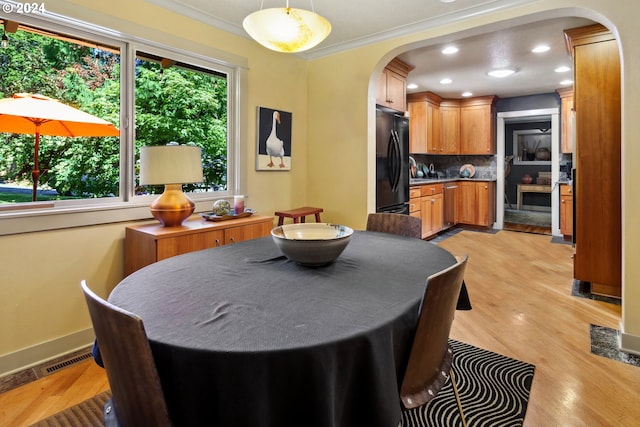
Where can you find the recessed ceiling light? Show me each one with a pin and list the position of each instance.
(540, 48)
(447, 1)
(412, 86)
(446, 81)
(449, 50)
(566, 82)
(562, 69)
(467, 94)
(502, 72)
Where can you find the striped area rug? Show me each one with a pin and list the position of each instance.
(84, 414)
(494, 391)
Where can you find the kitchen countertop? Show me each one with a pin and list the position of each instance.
(423, 181)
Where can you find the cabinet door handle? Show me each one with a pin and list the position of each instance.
(232, 240)
(217, 242)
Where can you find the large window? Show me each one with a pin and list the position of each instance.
(175, 101)
(155, 94)
(81, 74)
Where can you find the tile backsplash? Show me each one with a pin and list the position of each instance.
(450, 165)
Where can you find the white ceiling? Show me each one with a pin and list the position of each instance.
(510, 47)
(359, 22)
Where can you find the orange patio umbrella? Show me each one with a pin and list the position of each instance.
(40, 115)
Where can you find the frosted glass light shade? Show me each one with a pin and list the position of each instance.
(170, 164)
(287, 29)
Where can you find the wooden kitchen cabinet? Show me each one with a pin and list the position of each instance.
(477, 125)
(449, 127)
(598, 211)
(431, 209)
(392, 85)
(476, 203)
(414, 202)
(566, 119)
(486, 203)
(148, 243)
(424, 123)
(566, 210)
(466, 210)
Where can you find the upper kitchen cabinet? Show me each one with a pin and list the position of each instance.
(566, 118)
(392, 85)
(597, 197)
(477, 125)
(450, 126)
(424, 123)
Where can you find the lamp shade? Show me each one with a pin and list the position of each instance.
(170, 164)
(287, 29)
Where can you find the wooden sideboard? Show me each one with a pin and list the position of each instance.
(148, 243)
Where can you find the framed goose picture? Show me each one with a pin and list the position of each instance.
(274, 140)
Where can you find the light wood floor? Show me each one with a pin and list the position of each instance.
(520, 288)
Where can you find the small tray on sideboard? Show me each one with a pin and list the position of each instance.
(210, 216)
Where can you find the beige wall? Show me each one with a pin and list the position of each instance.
(333, 108)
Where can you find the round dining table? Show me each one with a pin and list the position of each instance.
(242, 336)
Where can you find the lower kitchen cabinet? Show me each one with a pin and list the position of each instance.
(431, 209)
(566, 210)
(476, 203)
(466, 209)
(414, 202)
(148, 243)
(443, 205)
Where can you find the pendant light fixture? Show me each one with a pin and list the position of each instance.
(287, 29)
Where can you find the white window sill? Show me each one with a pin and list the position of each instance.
(47, 218)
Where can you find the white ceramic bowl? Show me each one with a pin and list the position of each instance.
(312, 244)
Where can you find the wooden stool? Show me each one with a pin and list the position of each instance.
(298, 214)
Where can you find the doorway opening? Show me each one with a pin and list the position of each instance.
(528, 144)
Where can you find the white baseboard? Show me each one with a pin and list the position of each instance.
(39, 353)
(627, 342)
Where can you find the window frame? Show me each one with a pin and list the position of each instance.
(41, 216)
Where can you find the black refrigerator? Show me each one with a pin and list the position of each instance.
(392, 162)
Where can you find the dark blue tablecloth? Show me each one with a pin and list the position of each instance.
(244, 337)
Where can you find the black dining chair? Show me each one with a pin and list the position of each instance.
(403, 225)
(430, 359)
(137, 397)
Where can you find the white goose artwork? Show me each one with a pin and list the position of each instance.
(274, 140)
(275, 146)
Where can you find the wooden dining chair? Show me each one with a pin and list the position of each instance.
(137, 397)
(430, 359)
(400, 224)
